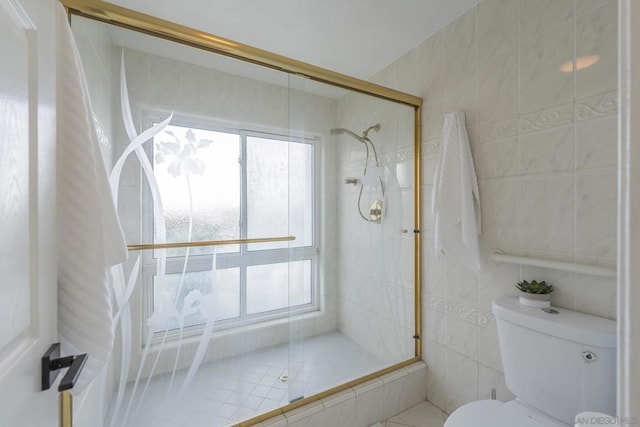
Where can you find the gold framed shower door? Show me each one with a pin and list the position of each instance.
(140, 22)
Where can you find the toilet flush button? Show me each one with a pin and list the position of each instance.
(589, 356)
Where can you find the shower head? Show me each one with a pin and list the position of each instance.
(363, 138)
(375, 127)
(341, 131)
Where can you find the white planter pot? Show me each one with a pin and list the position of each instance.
(535, 300)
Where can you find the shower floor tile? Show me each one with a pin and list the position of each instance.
(230, 390)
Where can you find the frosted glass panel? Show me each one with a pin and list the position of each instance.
(269, 286)
(279, 204)
(184, 291)
(199, 178)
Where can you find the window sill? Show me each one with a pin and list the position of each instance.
(191, 336)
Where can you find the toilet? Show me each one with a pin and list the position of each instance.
(559, 363)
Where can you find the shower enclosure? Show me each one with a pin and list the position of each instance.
(272, 214)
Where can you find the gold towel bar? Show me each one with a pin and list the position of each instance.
(208, 243)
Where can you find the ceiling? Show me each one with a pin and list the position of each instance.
(354, 37)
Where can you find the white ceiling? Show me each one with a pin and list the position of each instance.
(354, 37)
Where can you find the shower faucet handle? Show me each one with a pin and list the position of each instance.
(352, 181)
(375, 212)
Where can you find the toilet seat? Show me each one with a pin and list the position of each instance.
(493, 413)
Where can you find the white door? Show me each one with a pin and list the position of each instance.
(27, 210)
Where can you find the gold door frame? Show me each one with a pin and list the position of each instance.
(136, 21)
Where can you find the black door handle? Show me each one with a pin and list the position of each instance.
(73, 373)
(52, 363)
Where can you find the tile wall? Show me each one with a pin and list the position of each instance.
(375, 263)
(544, 145)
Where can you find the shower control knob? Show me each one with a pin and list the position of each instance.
(375, 212)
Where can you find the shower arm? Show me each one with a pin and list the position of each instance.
(364, 139)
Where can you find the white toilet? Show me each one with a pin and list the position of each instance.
(557, 362)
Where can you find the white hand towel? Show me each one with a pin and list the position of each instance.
(456, 199)
(89, 235)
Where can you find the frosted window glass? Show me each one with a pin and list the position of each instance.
(199, 177)
(276, 286)
(227, 294)
(279, 191)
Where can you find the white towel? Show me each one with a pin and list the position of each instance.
(456, 199)
(89, 235)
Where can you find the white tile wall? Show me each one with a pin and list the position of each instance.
(497, 27)
(544, 144)
(375, 262)
(596, 143)
(597, 34)
(539, 16)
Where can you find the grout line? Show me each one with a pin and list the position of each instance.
(518, 141)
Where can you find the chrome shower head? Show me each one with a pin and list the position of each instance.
(375, 127)
(341, 131)
(363, 138)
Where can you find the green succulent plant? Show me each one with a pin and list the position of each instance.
(534, 287)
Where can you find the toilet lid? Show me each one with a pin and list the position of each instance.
(493, 413)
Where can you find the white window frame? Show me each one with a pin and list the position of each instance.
(244, 258)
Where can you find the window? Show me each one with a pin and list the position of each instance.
(219, 183)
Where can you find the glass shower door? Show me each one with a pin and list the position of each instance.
(209, 309)
(310, 282)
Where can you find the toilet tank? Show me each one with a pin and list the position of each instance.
(561, 363)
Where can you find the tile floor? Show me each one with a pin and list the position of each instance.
(229, 390)
(424, 414)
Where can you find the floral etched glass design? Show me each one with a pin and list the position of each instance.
(196, 284)
(198, 174)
